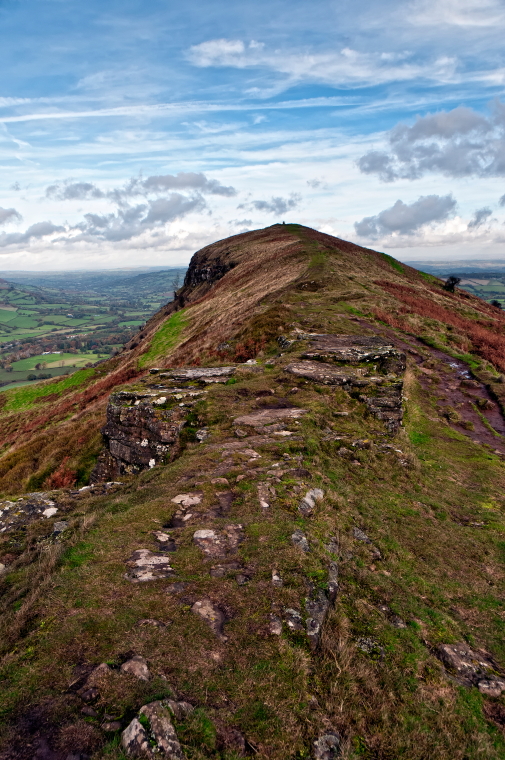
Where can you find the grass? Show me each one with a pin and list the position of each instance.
(165, 339)
(55, 360)
(438, 572)
(25, 397)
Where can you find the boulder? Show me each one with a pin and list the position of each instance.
(136, 666)
(155, 740)
(148, 566)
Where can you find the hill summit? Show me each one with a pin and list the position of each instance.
(272, 526)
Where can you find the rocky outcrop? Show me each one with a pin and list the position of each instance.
(142, 430)
(367, 367)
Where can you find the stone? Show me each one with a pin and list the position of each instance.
(167, 544)
(201, 435)
(275, 625)
(360, 535)
(293, 619)
(148, 566)
(111, 726)
(212, 615)
(187, 499)
(242, 579)
(151, 621)
(307, 504)
(180, 710)
(317, 605)
(263, 495)
(265, 416)
(136, 666)
(240, 433)
(199, 373)
(89, 712)
(159, 740)
(138, 435)
(469, 665)
(276, 579)
(300, 540)
(491, 687)
(219, 482)
(327, 746)
(59, 527)
(210, 542)
(50, 511)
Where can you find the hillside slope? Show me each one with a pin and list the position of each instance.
(303, 556)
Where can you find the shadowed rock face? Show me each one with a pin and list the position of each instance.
(139, 434)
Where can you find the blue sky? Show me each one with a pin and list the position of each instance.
(134, 133)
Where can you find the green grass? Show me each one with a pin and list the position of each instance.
(24, 397)
(166, 338)
(6, 315)
(52, 359)
(394, 263)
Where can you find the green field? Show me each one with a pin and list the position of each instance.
(57, 360)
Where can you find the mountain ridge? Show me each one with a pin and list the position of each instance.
(303, 556)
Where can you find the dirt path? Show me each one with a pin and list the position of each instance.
(451, 382)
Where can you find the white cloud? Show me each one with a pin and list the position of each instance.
(459, 13)
(457, 143)
(405, 219)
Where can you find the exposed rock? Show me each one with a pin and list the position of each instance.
(356, 349)
(137, 667)
(202, 435)
(212, 615)
(159, 740)
(317, 605)
(265, 416)
(275, 625)
(59, 527)
(471, 667)
(188, 499)
(264, 495)
(167, 544)
(198, 373)
(300, 540)
(217, 544)
(148, 566)
(111, 726)
(293, 619)
(360, 535)
(138, 435)
(325, 374)
(327, 747)
(276, 579)
(180, 710)
(491, 687)
(307, 504)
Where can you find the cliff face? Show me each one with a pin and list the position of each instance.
(301, 553)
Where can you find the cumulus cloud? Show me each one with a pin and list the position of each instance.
(276, 205)
(502, 200)
(405, 219)
(480, 216)
(131, 221)
(9, 215)
(38, 230)
(457, 143)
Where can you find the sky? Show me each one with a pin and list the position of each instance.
(134, 133)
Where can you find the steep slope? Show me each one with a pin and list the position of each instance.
(304, 556)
